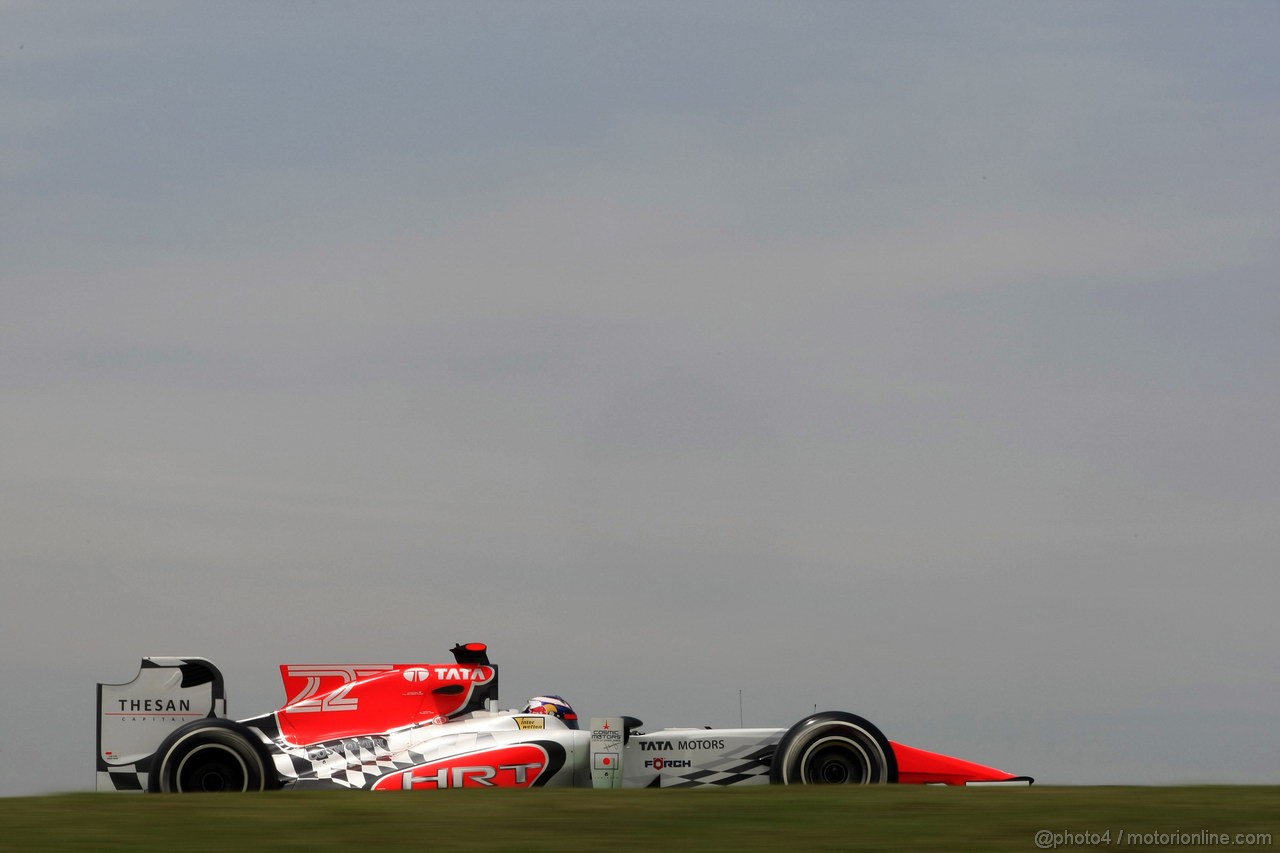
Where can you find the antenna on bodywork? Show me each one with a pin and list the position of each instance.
(478, 654)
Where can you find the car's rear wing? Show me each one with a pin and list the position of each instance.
(322, 701)
(134, 717)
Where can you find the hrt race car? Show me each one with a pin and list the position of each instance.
(429, 726)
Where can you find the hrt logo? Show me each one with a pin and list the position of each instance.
(517, 766)
(473, 776)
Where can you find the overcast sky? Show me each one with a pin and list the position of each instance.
(915, 359)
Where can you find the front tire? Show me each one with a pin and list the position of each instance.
(834, 748)
(208, 756)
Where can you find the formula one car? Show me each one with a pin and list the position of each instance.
(430, 726)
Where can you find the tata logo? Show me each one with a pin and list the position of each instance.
(666, 745)
(327, 685)
(475, 674)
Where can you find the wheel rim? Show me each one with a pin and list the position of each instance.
(211, 768)
(835, 761)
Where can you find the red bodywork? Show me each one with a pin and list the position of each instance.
(920, 767)
(328, 702)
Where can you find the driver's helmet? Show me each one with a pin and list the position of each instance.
(553, 706)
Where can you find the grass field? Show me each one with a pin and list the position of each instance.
(770, 818)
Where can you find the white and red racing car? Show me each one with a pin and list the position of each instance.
(428, 726)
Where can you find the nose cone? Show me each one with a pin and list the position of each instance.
(920, 767)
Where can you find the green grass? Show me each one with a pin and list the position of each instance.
(769, 818)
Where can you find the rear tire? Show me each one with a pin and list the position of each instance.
(208, 756)
(834, 748)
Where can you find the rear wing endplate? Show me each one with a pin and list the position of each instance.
(134, 717)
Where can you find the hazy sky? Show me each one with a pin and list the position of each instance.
(915, 359)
